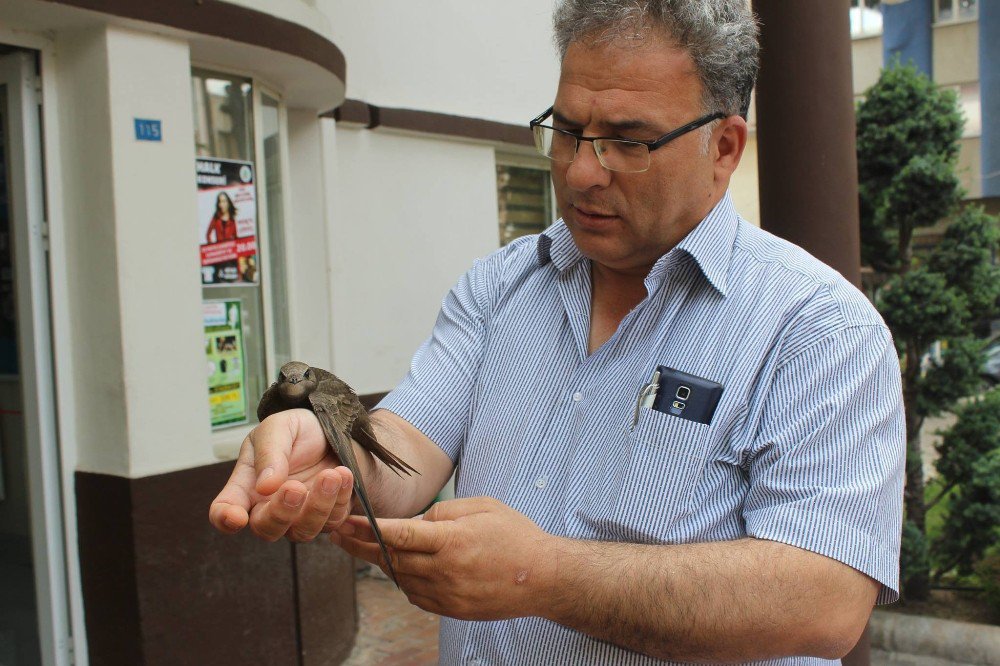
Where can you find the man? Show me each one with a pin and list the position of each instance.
(597, 529)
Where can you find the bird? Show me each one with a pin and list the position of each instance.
(342, 417)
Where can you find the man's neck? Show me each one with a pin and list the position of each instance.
(613, 295)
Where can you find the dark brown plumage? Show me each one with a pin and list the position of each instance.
(342, 417)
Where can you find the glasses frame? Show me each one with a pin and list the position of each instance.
(650, 145)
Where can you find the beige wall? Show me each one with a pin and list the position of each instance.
(969, 167)
(744, 187)
(956, 53)
(866, 62)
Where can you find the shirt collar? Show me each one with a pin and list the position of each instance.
(710, 244)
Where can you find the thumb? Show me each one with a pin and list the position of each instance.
(457, 508)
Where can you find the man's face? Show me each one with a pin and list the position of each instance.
(625, 221)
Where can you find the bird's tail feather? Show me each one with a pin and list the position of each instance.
(367, 439)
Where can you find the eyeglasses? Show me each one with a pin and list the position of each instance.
(626, 155)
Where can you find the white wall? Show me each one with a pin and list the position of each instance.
(411, 215)
(306, 232)
(158, 261)
(490, 59)
(133, 273)
(98, 433)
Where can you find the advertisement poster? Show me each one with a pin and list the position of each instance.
(227, 221)
(223, 322)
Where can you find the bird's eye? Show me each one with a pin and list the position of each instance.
(305, 374)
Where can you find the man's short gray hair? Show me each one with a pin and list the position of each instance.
(720, 35)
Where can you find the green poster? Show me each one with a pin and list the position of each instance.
(226, 364)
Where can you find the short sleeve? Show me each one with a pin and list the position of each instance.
(829, 454)
(436, 393)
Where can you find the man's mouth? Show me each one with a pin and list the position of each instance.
(591, 216)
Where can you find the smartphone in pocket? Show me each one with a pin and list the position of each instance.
(687, 396)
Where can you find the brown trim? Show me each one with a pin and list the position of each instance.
(229, 21)
(160, 586)
(430, 122)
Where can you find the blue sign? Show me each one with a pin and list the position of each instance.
(148, 130)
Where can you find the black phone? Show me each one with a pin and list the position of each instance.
(687, 396)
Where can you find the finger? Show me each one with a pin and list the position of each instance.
(364, 550)
(409, 534)
(270, 520)
(458, 508)
(342, 506)
(328, 489)
(272, 447)
(230, 510)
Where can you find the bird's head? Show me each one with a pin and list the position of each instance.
(296, 380)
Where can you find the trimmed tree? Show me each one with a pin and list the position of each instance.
(908, 132)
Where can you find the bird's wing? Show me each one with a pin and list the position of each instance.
(364, 434)
(270, 403)
(328, 409)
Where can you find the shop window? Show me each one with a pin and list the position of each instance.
(524, 197)
(953, 11)
(238, 144)
(866, 18)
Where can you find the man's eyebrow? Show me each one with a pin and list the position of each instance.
(628, 125)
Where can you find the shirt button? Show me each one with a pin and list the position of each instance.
(541, 482)
(475, 661)
(577, 397)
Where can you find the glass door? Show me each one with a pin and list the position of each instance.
(34, 622)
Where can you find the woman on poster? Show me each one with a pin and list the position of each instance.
(223, 223)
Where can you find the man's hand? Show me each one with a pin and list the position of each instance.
(471, 559)
(286, 482)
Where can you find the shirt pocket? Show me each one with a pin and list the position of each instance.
(666, 459)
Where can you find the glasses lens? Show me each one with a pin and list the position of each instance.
(625, 156)
(555, 145)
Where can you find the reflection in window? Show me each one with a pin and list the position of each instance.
(223, 129)
(866, 18)
(524, 200)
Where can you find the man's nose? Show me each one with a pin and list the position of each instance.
(586, 170)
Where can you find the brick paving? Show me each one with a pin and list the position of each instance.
(390, 629)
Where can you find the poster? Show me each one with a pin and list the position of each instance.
(227, 400)
(227, 221)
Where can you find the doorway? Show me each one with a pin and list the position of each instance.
(34, 616)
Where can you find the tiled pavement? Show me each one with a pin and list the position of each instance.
(391, 631)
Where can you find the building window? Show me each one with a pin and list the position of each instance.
(953, 11)
(968, 100)
(238, 144)
(866, 18)
(524, 198)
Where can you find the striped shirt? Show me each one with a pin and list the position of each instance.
(806, 446)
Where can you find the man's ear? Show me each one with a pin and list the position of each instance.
(728, 142)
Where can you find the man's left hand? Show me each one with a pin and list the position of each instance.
(471, 559)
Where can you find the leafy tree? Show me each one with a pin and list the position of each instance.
(972, 523)
(908, 132)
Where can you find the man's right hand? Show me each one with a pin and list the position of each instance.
(286, 482)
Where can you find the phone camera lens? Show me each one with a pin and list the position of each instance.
(683, 392)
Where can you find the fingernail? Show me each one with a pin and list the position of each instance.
(266, 474)
(346, 529)
(330, 485)
(293, 498)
